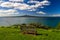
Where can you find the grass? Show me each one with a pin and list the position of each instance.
(14, 34)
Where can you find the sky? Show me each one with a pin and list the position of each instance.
(30, 7)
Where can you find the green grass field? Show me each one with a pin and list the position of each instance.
(14, 34)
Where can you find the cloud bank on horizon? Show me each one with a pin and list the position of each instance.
(9, 12)
(11, 7)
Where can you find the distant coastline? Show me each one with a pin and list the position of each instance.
(26, 16)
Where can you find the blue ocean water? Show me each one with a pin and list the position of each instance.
(50, 21)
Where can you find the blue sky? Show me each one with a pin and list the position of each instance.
(30, 7)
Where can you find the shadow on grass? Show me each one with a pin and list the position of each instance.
(42, 34)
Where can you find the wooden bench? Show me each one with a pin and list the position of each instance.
(28, 29)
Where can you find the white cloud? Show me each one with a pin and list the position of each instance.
(21, 6)
(41, 12)
(16, 4)
(45, 2)
(39, 4)
(9, 12)
(24, 6)
(32, 1)
(1, 2)
(56, 15)
(7, 4)
(16, 0)
(32, 10)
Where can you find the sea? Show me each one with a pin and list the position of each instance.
(49, 21)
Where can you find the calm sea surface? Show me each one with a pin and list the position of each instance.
(50, 21)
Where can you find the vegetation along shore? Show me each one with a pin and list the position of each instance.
(13, 32)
